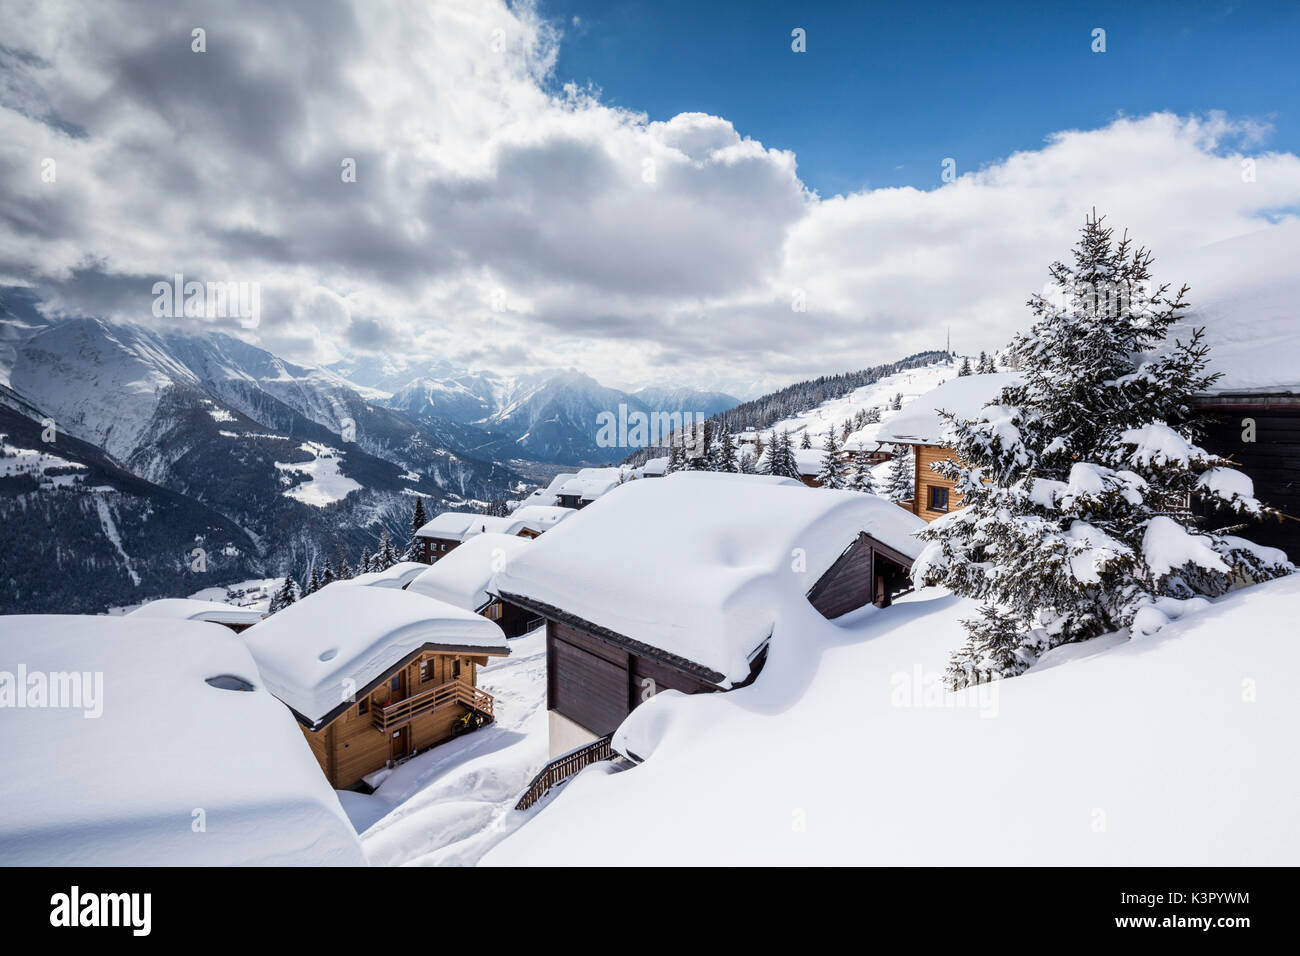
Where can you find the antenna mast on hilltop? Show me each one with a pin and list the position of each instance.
(948, 345)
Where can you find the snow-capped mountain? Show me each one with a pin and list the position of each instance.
(295, 459)
(549, 416)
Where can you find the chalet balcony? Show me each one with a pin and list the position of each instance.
(452, 693)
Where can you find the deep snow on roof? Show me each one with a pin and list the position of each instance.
(541, 518)
(1245, 292)
(168, 751)
(695, 563)
(462, 576)
(398, 576)
(459, 525)
(317, 653)
(588, 489)
(964, 396)
(189, 609)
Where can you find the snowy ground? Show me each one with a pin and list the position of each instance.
(1175, 749)
(451, 804)
(255, 594)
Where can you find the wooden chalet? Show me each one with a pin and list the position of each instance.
(616, 635)
(376, 675)
(920, 426)
(448, 530)
(188, 609)
(464, 579)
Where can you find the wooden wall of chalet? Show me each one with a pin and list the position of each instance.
(350, 747)
(926, 455)
(1272, 461)
(596, 683)
(861, 575)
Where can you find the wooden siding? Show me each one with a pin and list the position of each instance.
(926, 455)
(350, 746)
(848, 583)
(1272, 461)
(596, 684)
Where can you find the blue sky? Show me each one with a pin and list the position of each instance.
(886, 91)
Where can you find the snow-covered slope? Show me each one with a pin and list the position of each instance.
(910, 384)
(1175, 749)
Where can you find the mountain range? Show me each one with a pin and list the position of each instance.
(123, 449)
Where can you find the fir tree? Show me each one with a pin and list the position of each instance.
(386, 557)
(985, 365)
(1074, 482)
(829, 476)
(367, 562)
(726, 455)
(745, 463)
(902, 472)
(964, 368)
(862, 479)
(897, 403)
(780, 458)
(327, 575)
(313, 583)
(286, 595)
(418, 520)
(806, 442)
(674, 459)
(342, 568)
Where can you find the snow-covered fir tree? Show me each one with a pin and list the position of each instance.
(985, 365)
(806, 441)
(367, 563)
(964, 368)
(1076, 482)
(385, 557)
(341, 567)
(902, 475)
(285, 595)
(780, 458)
(897, 403)
(313, 582)
(674, 459)
(725, 457)
(327, 575)
(861, 478)
(745, 463)
(829, 476)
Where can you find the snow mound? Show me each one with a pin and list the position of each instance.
(174, 770)
(1111, 753)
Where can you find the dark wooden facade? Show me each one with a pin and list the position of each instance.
(868, 572)
(431, 549)
(1272, 459)
(934, 495)
(514, 621)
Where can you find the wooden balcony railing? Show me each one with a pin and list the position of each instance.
(454, 692)
(563, 767)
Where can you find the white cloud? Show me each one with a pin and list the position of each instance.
(493, 215)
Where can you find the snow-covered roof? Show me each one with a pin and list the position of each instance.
(919, 422)
(540, 518)
(463, 575)
(655, 466)
(1245, 293)
(318, 652)
(189, 609)
(809, 460)
(459, 525)
(588, 489)
(398, 576)
(697, 564)
(125, 786)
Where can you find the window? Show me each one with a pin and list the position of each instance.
(938, 498)
(455, 669)
(426, 671)
(396, 683)
(364, 706)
